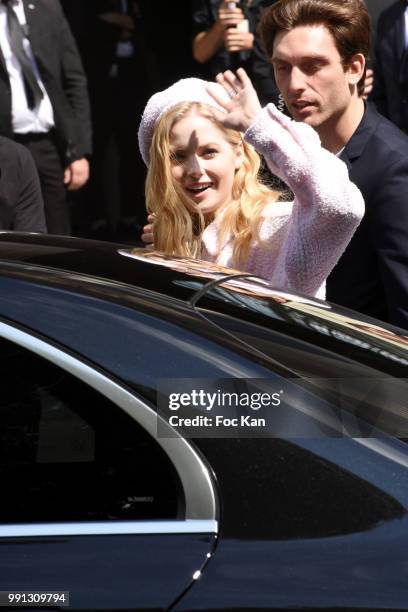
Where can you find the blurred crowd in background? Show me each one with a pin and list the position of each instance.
(132, 48)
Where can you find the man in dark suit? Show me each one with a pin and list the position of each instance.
(390, 92)
(21, 203)
(115, 51)
(372, 275)
(320, 71)
(43, 99)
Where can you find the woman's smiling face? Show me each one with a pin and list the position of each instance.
(203, 162)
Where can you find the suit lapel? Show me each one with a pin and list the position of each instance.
(356, 145)
(343, 155)
(401, 52)
(400, 31)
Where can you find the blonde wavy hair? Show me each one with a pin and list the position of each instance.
(177, 231)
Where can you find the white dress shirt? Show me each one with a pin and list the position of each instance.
(24, 120)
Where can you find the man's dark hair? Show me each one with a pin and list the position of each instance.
(348, 22)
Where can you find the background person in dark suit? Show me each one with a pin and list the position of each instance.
(21, 203)
(320, 71)
(43, 99)
(116, 56)
(390, 92)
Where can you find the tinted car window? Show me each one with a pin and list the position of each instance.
(69, 454)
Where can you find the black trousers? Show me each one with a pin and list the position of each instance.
(43, 148)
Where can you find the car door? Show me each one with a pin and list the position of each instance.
(93, 504)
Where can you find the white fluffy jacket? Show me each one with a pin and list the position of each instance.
(300, 241)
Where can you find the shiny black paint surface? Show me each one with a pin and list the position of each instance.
(141, 572)
(317, 524)
(92, 258)
(321, 524)
(97, 268)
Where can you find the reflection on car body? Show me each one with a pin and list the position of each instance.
(96, 503)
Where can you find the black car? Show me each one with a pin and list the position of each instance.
(112, 496)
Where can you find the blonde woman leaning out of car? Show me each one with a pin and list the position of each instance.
(199, 141)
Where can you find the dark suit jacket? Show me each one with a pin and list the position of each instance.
(390, 91)
(61, 69)
(372, 275)
(21, 203)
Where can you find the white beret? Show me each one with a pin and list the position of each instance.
(185, 90)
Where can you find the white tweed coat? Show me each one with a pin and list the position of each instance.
(300, 241)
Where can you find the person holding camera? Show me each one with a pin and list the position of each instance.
(225, 37)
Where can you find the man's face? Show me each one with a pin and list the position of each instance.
(310, 75)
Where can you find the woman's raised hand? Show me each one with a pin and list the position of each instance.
(243, 105)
